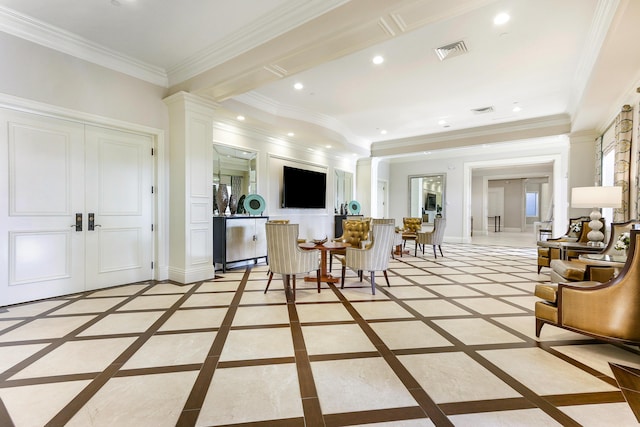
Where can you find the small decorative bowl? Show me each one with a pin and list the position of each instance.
(319, 241)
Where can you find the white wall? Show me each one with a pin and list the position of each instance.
(272, 156)
(459, 192)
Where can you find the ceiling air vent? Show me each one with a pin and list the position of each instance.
(451, 50)
(483, 110)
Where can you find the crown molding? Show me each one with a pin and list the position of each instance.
(522, 129)
(285, 18)
(33, 30)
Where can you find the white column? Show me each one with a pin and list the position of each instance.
(191, 197)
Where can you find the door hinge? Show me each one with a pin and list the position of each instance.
(152, 265)
(151, 227)
(152, 189)
(152, 151)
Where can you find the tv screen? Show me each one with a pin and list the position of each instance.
(303, 188)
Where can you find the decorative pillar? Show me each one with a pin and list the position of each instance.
(191, 197)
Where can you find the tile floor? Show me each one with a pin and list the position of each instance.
(451, 342)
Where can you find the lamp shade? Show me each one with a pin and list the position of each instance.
(596, 197)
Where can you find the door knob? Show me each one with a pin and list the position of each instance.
(78, 224)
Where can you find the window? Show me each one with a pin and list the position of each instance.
(532, 207)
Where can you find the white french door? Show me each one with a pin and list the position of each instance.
(56, 173)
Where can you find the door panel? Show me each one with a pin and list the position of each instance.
(55, 170)
(41, 254)
(118, 193)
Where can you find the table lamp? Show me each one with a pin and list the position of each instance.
(596, 198)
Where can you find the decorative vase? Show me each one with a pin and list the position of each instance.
(233, 204)
(222, 198)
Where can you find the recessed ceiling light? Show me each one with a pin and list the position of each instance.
(501, 18)
(442, 122)
(298, 86)
(241, 118)
(378, 59)
(383, 132)
(516, 107)
(291, 134)
(327, 146)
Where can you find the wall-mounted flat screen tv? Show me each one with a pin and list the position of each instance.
(303, 188)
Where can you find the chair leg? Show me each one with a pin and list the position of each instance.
(539, 268)
(440, 248)
(344, 269)
(294, 287)
(268, 281)
(360, 275)
(539, 325)
(330, 262)
(373, 283)
(434, 252)
(386, 277)
(415, 249)
(318, 272)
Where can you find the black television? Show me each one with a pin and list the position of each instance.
(303, 188)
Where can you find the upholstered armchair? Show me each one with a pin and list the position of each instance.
(608, 311)
(397, 236)
(433, 237)
(285, 256)
(575, 270)
(411, 226)
(550, 248)
(354, 231)
(374, 257)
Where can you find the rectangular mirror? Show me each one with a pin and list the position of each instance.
(426, 196)
(343, 188)
(234, 168)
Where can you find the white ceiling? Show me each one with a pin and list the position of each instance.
(246, 54)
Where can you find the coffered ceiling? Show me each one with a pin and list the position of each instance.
(555, 66)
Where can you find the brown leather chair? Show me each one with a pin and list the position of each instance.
(550, 248)
(574, 270)
(354, 231)
(410, 228)
(609, 311)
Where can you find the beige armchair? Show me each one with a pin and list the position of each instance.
(576, 270)
(375, 257)
(397, 236)
(609, 311)
(285, 256)
(433, 237)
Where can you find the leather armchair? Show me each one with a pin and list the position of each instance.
(354, 232)
(575, 270)
(550, 249)
(609, 311)
(410, 229)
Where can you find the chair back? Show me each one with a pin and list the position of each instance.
(617, 229)
(411, 224)
(285, 257)
(354, 231)
(383, 221)
(439, 224)
(278, 221)
(376, 256)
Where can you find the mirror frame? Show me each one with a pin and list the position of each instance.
(441, 202)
